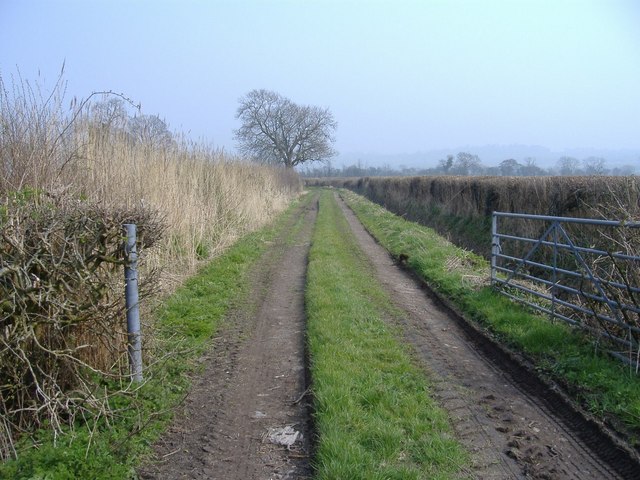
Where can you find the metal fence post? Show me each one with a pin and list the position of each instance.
(554, 277)
(495, 246)
(132, 302)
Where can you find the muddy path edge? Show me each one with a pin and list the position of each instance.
(600, 440)
(253, 377)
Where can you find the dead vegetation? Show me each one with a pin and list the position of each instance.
(69, 178)
(461, 207)
(62, 308)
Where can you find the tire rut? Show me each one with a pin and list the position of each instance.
(504, 417)
(254, 382)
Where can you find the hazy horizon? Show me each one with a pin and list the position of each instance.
(400, 77)
(490, 155)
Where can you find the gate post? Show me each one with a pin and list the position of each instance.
(495, 246)
(554, 277)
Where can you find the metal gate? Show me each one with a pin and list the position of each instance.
(595, 287)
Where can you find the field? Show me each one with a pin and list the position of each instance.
(286, 335)
(394, 384)
(393, 394)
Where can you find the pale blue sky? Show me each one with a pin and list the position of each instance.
(399, 76)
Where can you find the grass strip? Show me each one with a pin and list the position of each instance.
(184, 324)
(374, 416)
(604, 386)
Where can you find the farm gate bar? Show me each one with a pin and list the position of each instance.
(593, 288)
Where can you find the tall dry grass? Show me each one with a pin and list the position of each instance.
(209, 198)
(54, 157)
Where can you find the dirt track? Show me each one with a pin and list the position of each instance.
(254, 381)
(508, 431)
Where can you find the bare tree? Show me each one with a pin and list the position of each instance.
(594, 166)
(151, 130)
(278, 131)
(110, 112)
(466, 164)
(530, 169)
(623, 170)
(445, 165)
(568, 166)
(509, 167)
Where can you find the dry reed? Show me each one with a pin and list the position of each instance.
(208, 198)
(204, 198)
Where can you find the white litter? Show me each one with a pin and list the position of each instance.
(285, 436)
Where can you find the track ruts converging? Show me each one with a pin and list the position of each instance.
(254, 379)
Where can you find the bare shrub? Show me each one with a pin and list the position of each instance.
(622, 205)
(61, 306)
(436, 201)
(69, 177)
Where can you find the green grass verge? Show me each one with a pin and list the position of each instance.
(185, 324)
(604, 386)
(373, 414)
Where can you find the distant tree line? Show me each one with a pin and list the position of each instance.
(465, 163)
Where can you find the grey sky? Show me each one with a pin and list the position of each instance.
(399, 76)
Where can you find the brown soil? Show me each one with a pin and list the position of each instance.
(510, 432)
(253, 384)
(254, 381)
